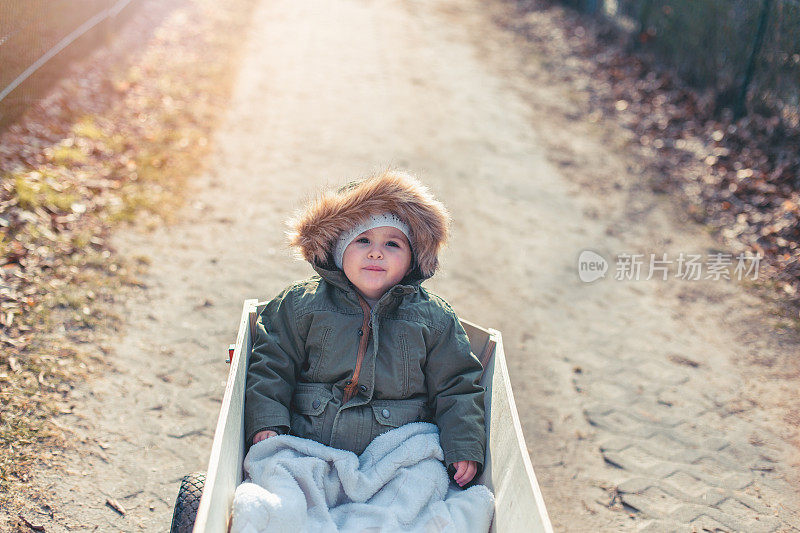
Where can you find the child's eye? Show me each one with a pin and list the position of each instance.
(393, 243)
(363, 240)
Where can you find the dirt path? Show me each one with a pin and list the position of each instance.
(654, 377)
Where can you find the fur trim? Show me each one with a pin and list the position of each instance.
(314, 231)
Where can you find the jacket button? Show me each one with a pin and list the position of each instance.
(385, 413)
(397, 290)
(362, 388)
(348, 382)
(315, 404)
(360, 332)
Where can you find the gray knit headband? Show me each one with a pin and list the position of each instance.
(375, 221)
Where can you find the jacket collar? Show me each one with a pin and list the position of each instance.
(335, 276)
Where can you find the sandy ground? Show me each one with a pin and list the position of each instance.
(329, 91)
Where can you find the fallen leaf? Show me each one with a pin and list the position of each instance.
(33, 525)
(114, 504)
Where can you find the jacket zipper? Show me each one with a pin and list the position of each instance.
(350, 389)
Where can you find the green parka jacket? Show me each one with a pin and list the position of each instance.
(330, 369)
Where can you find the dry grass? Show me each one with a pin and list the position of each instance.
(91, 156)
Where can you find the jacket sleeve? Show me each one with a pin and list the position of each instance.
(452, 377)
(274, 363)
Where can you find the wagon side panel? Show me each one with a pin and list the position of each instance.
(519, 505)
(227, 451)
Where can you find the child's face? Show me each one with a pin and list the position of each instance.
(377, 260)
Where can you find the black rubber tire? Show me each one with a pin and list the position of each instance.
(187, 503)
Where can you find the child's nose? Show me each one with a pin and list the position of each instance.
(375, 252)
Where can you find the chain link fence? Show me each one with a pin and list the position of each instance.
(747, 51)
(39, 38)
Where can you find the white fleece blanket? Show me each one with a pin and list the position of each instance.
(398, 484)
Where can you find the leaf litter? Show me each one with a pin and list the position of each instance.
(106, 146)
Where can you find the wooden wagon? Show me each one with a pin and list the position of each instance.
(508, 472)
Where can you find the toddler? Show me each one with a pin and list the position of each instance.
(362, 347)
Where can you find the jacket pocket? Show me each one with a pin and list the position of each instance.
(394, 413)
(308, 410)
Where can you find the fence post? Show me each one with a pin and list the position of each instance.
(644, 22)
(740, 109)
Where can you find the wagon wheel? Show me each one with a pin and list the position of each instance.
(187, 503)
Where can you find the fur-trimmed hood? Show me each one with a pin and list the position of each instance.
(314, 231)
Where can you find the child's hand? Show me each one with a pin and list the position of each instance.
(261, 435)
(465, 471)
